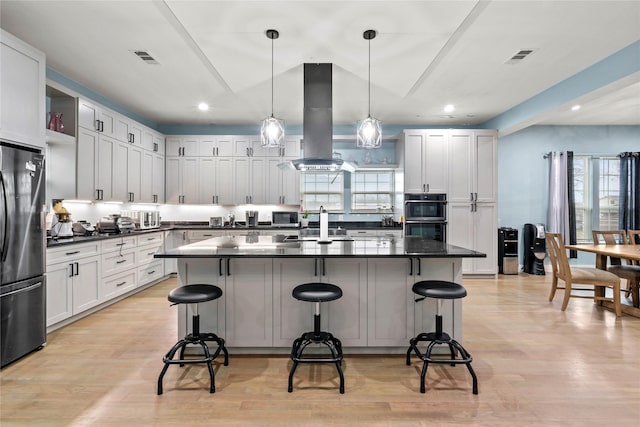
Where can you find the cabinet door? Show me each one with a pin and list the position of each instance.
(291, 317)
(59, 293)
(292, 147)
(390, 302)
(86, 290)
(485, 238)
(158, 179)
(108, 122)
(241, 146)
(435, 162)
(123, 129)
(146, 178)
(274, 182)
(173, 147)
(486, 170)
(346, 317)
(86, 173)
(207, 147)
(224, 171)
(290, 185)
(462, 168)
(119, 171)
(173, 180)
(88, 114)
(241, 180)
(249, 303)
(134, 174)
(22, 104)
(190, 180)
(258, 177)
(104, 167)
(460, 229)
(225, 146)
(136, 134)
(413, 156)
(207, 168)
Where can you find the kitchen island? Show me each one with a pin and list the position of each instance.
(377, 312)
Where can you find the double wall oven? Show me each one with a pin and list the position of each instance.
(425, 215)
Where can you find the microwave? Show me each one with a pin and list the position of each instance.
(425, 207)
(144, 219)
(284, 218)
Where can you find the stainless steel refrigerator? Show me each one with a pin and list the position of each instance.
(22, 252)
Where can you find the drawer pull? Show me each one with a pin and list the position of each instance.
(151, 272)
(121, 261)
(72, 253)
(120, 244)
(121, 283)
(151, 238)
(150, 253)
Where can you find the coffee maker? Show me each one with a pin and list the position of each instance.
(251, 218)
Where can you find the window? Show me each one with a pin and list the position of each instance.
(596, 189)
(323, 189)
(371, 191)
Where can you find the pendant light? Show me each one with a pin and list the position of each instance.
(272, 132)
(369, 131)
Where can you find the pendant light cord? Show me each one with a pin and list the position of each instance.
(271, 77)
(369, 78)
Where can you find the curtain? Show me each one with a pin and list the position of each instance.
(629, 207)
(561, 213)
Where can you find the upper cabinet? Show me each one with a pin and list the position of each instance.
(425, 161)
(473, 177)
(22, 104)
(97, 118)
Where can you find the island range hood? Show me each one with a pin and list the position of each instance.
(318, 122)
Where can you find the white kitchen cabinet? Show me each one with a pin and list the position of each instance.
(283, 184)
(249, 302)
(157, 183)
(149, 268)
(187, 146)
(473, 172)
(95, 117)
(215, 146)
(22, 104)
(214, 175)
(346, 317)
(86, 173)
(118, 172)
(128, 131)
(101, 171)
(135, 171)
(249, 180)
(425, 161)
(474, 226)
(146, 177)
(117, 284)
(182, 180)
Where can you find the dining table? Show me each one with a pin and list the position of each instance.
(603, 252)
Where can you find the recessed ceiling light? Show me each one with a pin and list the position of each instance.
(575, 108)
(203, 106)
(449, 108)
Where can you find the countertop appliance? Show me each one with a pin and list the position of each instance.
(22, 251)
(83, 228)
(216, 221)
(251, 218)
(115, 224)
(284, 218)
(425, 215)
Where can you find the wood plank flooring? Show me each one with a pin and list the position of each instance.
(536, 366)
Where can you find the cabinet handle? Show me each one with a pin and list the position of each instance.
(71, 275)
(217, 151)
(247, 151)
(471, 197)
(155, 147)
(228, 266)
(184, 235)
(121, 261)
(213, 199)
(77, 269)
(324, 267)
(150, 253)
(151, 272)
(120, 284)
(217, 200)
(315, 266)
(220, 267)
(475, 199)
(155, 198)
(120, 244)
(410, 266)
(72, 253)
(419, 266)
(97, 125)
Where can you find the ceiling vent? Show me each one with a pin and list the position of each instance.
(145, 56)
(520, 56)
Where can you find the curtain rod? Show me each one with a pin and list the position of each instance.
(546, 155)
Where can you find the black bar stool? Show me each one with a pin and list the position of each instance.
(440, 290)
(317, 292)
(194, 294)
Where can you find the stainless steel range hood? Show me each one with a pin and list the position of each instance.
(318, 122)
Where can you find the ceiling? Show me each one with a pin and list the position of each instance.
(426, 54)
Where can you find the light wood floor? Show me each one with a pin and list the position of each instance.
(536, 366)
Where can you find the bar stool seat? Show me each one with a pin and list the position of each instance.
(439, 290)
(194, 294)
(317, 293)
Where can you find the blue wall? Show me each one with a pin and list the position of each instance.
(523, 172)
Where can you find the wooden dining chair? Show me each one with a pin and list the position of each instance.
(625, 269)
(599, 279)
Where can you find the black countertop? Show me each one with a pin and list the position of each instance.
(272, 247)
(193, 225)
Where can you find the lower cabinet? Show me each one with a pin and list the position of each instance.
(72, 287)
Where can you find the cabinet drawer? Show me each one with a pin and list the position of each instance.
(198, 235)
(68, 253)
(115, 262)
(150, 272)
(119, 284)
(118, 243)
(150, 239)
(145, 254)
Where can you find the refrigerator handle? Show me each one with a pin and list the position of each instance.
(5, 221)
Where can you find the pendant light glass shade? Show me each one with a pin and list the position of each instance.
(272, 132)
(369, 134)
